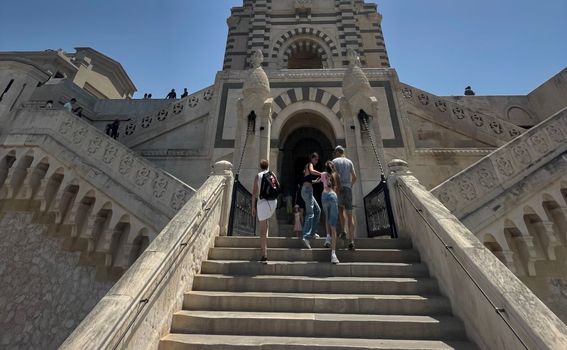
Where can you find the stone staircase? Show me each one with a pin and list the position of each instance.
(379, 297)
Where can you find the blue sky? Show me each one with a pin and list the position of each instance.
(499, 47)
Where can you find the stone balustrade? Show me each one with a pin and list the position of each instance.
(137, 311)
(148, 190)
(489, 129)
(505, 314)
(177, 113)
(496, 173)
(526, 227)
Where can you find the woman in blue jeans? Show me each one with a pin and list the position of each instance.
(312, 210)
(331, 186)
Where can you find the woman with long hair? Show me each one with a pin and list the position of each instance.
(312, 209)
(329, 201)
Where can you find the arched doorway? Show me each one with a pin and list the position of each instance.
(303, 134)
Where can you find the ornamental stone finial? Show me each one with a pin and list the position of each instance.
(222, 168)
(399, 167)
(257, 83)
(353, 58)
(355, 82)
(257, 58)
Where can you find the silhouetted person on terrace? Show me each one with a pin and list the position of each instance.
(469, 91)
(185, 93)
(114, 129)
(172, 95)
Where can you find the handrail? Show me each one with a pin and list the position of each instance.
(449, 248)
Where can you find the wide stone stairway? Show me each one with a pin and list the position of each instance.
(379, 297)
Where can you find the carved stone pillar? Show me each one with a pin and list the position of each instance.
(254, 121)
(548, 238)
(528, 253)
(507, 258)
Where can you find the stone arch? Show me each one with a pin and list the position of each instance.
(305, 48)
(66, 199)
(319, 96)
(55, 177)
(120, 233)
(556, 215)
(18, 172)
(298, 132)
(100, 224)
(499, 247)
(83, 211)
(139, 244)
(333, 127)
(6, 164)
(39, 171)
(309, 32)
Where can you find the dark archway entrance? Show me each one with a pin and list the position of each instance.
(296, 150)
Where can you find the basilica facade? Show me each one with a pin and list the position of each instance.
(298, 76)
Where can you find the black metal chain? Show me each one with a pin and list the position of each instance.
(248, 131)
(364, 121)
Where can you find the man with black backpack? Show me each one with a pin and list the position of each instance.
(265, 192)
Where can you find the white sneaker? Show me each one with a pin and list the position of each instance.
(328, 242)
(316, 236)
(334, 259)
(306, 243)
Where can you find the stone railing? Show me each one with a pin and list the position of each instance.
(107, 164)
(496, 173)
(177, 113)
(137, 311)
(525, 227)
(498, 310)
(486, 128)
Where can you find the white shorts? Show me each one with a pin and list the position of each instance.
(266, 209)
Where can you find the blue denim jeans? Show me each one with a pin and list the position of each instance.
(329, 201)
(312, 212)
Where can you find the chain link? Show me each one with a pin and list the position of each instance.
(248, 131)
(373, 142)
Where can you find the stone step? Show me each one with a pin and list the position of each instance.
(318, 254)
(314, 269)
(318, 325)
(317, 303)
(232, 342)
(283, 242)
(304, 284)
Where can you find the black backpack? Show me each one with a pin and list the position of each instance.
(269, 188)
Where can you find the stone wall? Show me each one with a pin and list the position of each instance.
(498, 310)
(45, 292)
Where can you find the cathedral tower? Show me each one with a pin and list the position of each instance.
(305, 34)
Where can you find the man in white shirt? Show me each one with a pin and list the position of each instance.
(69, 105)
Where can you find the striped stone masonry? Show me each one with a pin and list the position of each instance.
(306, 94)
